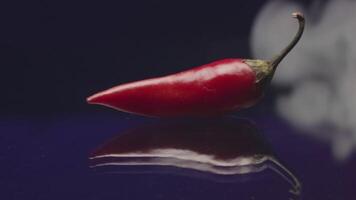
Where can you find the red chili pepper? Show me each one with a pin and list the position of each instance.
(215, 88)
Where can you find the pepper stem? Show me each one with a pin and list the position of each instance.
(277, 59)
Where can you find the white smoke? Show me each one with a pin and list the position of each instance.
(321, 69)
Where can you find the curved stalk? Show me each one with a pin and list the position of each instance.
(277, 59)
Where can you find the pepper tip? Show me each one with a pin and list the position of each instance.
(91, 99)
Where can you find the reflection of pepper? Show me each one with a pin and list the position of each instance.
(215, 88)
(227, 149)
(224, 139)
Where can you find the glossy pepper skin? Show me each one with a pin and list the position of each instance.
(212, 89)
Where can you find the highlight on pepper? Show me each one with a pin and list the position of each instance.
(215, 88)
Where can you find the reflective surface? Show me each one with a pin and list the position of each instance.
(222, 148)
(120, 157)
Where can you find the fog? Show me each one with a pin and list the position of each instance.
(320, 70)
